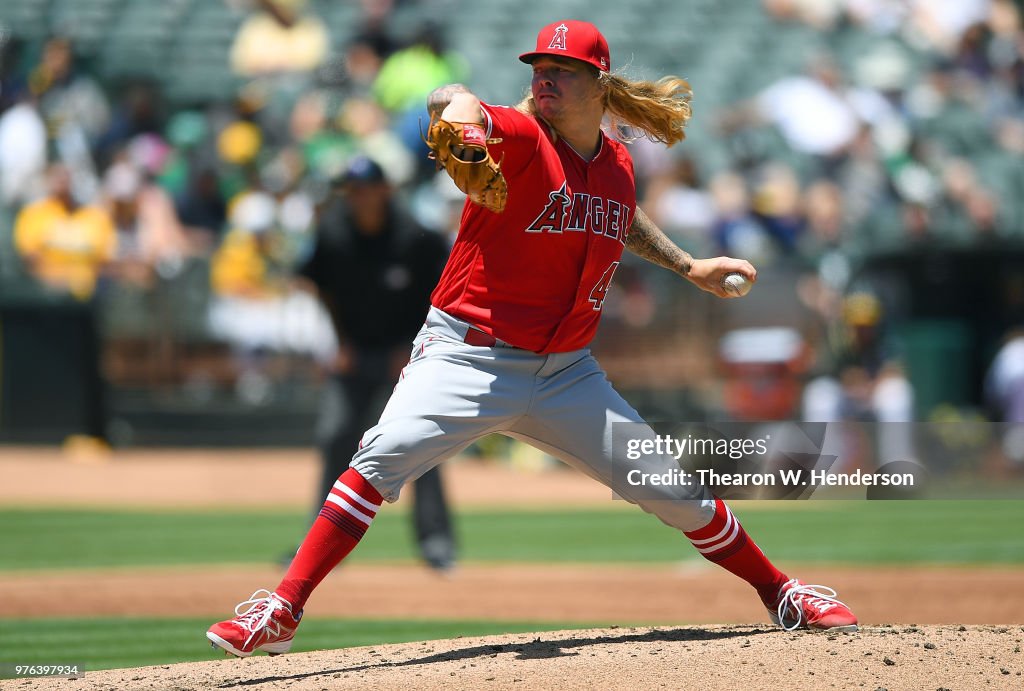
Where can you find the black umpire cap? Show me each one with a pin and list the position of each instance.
(362, 169)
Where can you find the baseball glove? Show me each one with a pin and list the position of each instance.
(461, 149)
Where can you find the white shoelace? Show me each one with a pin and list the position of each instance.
(821, 597)
(261, 608)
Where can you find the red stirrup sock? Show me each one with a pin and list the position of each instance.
(725, 542)
(343, 520)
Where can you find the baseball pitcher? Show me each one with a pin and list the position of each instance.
(551, 206)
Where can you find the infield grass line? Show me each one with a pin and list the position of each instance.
(838, 532)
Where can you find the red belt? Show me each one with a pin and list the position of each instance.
(476, 337)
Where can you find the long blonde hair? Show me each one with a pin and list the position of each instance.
(660, 110)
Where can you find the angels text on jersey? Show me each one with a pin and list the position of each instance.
(581, 212)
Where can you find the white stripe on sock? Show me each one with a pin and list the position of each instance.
(355, 495)
(728, 541)
(353, 511)
(729, 520)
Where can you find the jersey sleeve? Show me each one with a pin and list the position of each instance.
(519, 134)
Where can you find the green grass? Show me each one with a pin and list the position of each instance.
(134, 642)
(898, 532)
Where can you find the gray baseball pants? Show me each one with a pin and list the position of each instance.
(452, 393)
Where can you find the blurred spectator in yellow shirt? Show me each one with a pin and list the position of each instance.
(279, 36)
(240, 267)
(64, 244)
(255, 307)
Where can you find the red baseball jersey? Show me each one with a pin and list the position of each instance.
(536, 275)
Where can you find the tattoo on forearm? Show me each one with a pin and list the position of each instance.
(646, 240)
(440, 97)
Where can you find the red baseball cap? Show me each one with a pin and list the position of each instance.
(572, 39)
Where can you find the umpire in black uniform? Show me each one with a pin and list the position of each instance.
(374, 268)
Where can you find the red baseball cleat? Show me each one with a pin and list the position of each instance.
(812, 607)
(268, 625)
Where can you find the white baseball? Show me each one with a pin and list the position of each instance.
(737, 284)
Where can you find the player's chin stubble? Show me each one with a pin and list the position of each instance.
(548, 109)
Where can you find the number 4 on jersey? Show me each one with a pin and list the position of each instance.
(600, 291)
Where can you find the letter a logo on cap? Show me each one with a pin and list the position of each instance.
(558, 40)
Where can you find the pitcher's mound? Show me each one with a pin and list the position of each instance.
(726, 657)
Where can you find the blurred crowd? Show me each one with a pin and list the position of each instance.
(916, 137)
(903, 129)
(114, 195)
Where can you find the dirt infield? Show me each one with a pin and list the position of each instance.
(615, 594)
(731, 657)
(270, 478)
